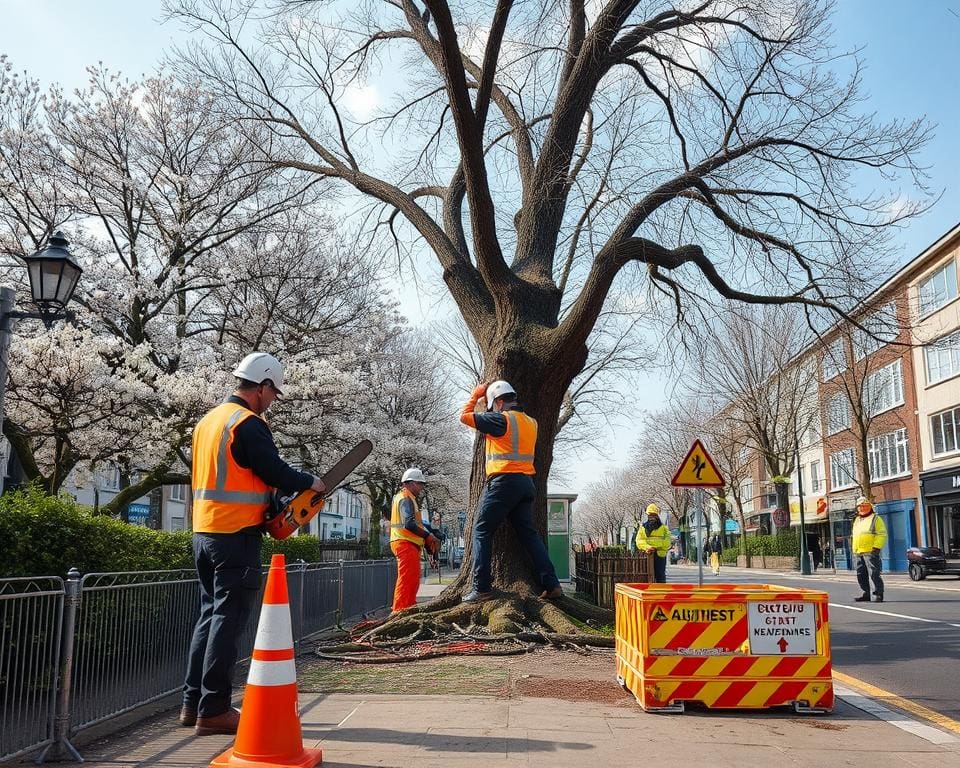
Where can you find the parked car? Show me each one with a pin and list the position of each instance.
(925, 561)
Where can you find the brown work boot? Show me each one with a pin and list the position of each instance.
(188, 716)
(552, 594)
(225, 722)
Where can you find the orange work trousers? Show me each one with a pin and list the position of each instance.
(408, 574)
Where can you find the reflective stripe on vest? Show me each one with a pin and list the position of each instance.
(227, 497)
(397, 530)
(512, 452)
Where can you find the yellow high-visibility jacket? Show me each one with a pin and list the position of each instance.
(869, 533)
(659, 539)
(398, 531)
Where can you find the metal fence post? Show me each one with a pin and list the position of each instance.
(340, 594)
(61, 746)
(303, 600)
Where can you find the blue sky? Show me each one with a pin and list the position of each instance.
(909, 51)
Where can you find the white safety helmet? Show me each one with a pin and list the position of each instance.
(415, 474)
(498, 389)
(258, 367)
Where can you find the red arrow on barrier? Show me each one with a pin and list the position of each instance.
(783, 645)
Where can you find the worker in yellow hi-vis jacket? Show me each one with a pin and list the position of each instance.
(654, 536)
(869, 536)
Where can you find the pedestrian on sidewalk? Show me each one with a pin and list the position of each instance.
(654, 536)
(408, 538)
(715, 548)
(236, 467)
(869, 536)
(510, 437)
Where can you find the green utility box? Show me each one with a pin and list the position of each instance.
(559, 506)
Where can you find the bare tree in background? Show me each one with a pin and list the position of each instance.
(751, 372)
(863, 383)
(543, 152)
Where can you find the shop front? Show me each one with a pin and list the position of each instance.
(897, 515)
(940, 490)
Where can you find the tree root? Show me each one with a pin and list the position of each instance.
(504, 626)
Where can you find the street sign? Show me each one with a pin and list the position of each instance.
(782, 629)
(697, 470)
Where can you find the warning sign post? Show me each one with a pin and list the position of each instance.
(729, 646)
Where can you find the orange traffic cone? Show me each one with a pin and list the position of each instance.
(269, 733)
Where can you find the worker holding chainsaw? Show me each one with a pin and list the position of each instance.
(236, 466)
(408, 537)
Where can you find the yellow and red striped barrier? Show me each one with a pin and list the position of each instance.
(726, 646)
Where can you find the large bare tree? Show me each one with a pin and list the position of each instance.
(544, 151)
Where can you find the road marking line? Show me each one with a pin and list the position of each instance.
(894, 615)
(859, 698)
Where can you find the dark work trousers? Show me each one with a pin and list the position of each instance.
(660, 569)
(508, 497)
(868, 569)
(228, 567)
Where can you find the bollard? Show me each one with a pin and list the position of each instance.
(61, 748)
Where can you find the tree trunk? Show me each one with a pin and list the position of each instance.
(540, 387)
(783, 502)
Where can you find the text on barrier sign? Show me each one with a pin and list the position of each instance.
(696, 629)
(782, 628)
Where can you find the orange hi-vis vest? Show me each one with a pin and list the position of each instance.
(512, 452)
(226, 496)
(397, 530)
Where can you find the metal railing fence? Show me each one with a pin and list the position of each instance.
(31, 612)
(77, 653)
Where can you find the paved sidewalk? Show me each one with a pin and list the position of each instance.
(516, 729)
(456, 731)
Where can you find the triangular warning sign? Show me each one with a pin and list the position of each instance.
(659, 615)
(698, 470)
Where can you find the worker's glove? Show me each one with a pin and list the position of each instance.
(479, 391)
(432, 544)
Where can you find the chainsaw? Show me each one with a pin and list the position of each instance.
(300, 508)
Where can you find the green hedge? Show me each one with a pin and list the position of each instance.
(44, 535)
(786, 544)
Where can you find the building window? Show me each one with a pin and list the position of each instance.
(881, 327)
(843, 471)
(943, 358)
(887, 455)
(945, 427)
(746, 497)
(176, 492)
(939, 288)
(838, 413)
(176, 524)
(884, 389)
(816, 480)
(834, 359)
(109, 478)
(811, 435)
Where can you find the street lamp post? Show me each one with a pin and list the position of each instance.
(53, 276)
(804, 552)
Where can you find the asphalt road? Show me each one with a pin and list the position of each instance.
(908, 645)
